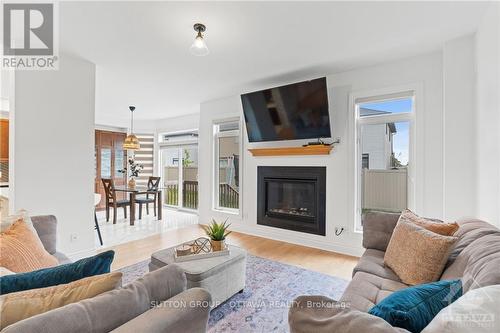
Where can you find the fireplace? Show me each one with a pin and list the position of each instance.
(292, 198)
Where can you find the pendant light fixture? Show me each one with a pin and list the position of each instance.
(199, 47)
(131, 141)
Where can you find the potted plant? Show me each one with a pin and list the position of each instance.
(217, 233)
(135, 170)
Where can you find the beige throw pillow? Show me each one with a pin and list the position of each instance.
(24, 304)
(21, 250)
(416, 254)
(439, 227)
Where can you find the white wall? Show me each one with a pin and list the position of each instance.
(487, 156)
(423, 71)
(54, 148)
(459, 129)
(167, 125)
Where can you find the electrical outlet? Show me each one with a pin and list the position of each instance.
(73, 237)
(339, 230)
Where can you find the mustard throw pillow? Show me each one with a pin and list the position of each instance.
(417, 255)
(439, 227)
(22, 251)
(24, 304)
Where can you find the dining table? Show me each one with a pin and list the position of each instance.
(139, 190)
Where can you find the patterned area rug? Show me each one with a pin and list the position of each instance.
(270, 288)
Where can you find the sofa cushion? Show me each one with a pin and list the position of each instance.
(25, 304)
(478, 264)
(377, 229)
(469, 231)
(416, 254)
(366, 290)
(22, 251)
(477, 311)
(98, 264)
(437, 226)
(372, 261)
(414, 308)
(109, 310)
(46, 227)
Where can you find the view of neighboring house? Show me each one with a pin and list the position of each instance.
(377, 142)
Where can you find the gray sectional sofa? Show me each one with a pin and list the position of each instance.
(475, 259)
(158, 302)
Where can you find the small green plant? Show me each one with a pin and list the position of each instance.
(217, 231)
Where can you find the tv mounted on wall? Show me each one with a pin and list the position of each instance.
(292, 112)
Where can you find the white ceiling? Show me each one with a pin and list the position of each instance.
(142, 49)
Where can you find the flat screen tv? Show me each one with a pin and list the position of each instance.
(291, 112)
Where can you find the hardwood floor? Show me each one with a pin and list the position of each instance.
(331, 263)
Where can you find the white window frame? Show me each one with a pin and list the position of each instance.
(215, 165)
(381, 96)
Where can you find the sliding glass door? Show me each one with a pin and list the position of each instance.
(179, 167)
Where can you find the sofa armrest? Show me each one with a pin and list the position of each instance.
(320, 314)
(109, 310)
(185, 312)
(377, 229)
(46, 228)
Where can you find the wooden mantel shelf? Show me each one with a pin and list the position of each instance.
(282, 151)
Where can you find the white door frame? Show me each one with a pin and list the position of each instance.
(415, 117)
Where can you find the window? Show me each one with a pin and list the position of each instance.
(227, 149)
(383, 150)
(179, 169)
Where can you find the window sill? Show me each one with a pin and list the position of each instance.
(227, 211)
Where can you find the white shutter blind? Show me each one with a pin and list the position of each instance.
(145, 156)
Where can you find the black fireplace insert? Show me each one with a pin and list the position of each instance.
(292, 198)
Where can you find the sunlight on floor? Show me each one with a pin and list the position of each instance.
(122, 231)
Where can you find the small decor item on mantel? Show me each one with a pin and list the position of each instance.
(217, 233)
(135, 170)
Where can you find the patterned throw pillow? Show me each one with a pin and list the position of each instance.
(21, 250)
(439, 227)
(24, 304)
(98, 264)
(415, 307)
(416, 254)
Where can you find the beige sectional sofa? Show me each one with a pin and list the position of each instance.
(475, 259)
(158, 302)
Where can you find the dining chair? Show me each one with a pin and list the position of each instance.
(150, 197)
(111, 201)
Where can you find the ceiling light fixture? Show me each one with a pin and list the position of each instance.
(199, 47)
(131, 141)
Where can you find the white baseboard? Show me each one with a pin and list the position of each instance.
(297, 239)
(74, 256)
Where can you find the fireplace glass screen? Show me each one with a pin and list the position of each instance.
(294, 198)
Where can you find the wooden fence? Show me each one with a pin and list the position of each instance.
(228, 196)
(385, 190)
(190, 194)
